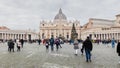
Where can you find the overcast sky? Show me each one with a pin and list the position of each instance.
(27, 14)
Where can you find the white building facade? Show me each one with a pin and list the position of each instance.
(102, 29)
(6, 34)
(59, 27)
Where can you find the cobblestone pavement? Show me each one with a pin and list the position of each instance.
(35, 56)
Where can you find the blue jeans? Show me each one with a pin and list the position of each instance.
(88, 55)
(113, 45)
(52, 47)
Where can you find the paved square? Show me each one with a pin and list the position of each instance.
(35, 56)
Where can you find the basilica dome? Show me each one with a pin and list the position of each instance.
(60, 16)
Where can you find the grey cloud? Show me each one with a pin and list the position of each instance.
(16, 14)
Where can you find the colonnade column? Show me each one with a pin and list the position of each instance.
(16, 36)
(117, 36)
(20, 36)
(69, 34)
(50, 33)
(23, 36)
(2, 36)
(108, 35)
(54, 32)
(5, 36)
(112, 35)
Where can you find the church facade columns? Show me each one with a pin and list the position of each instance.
(105, 35)
(14, 34)
(0, 35)
(118, 36)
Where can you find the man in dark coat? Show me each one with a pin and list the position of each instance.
(87, 45)
(118, 49)
(22, 42)
(39, 41)
(52, 44)
(10, 45)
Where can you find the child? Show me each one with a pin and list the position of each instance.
(47, 44)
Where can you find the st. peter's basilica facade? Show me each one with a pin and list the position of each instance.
(59, 27)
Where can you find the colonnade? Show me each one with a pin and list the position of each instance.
(7, 36)
(107, 36)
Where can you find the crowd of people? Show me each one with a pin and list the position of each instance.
(11, 44)
(50, 42)
(87, 45)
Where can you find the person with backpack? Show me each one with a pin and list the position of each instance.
(87, 45)
(52, 43)
(10, 45)
(57, 42)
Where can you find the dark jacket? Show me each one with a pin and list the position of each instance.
(118, 48)
(22, 41)
(10, 44)
(87, 45)
(57, 41)
(51, 41)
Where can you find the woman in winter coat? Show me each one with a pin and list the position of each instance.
(76, 47)
(18, 45)
(118, 49)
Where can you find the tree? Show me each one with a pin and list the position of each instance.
(73, 33)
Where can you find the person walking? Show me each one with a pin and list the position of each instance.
(10, 45)
(39, 41)
(22, 42)
(70, 41)
(113, 43)
(47, 44)
(87, 45)
(57, 42)
(76, 47)
(118, 49)
(18, 44)
(61, 42)
(52, 44)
